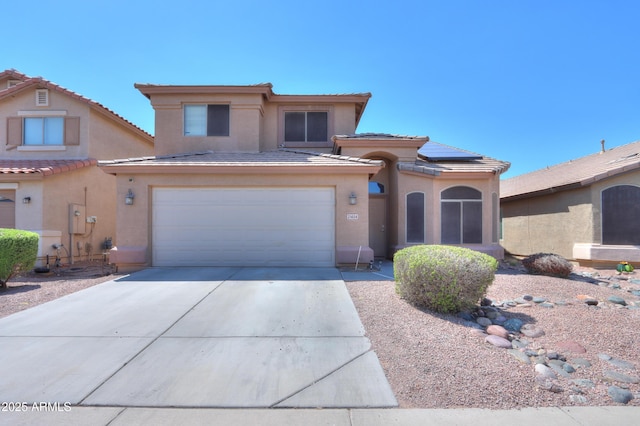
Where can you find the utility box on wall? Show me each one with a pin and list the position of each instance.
(76, 219)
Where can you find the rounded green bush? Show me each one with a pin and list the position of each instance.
(18, 252)
(549, 264)
(444, 279)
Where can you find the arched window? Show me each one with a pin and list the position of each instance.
(415, 217)
(620, 213)
(461, 215)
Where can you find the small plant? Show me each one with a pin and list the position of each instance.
(443, 278)
(18, 252)
(549, 264)
(624, 267)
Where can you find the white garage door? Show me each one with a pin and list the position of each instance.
(243, 227)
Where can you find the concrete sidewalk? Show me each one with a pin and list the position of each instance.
(115, 416)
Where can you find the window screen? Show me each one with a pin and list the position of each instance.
(300, 126)
(206, 120)
(620, 213)
(415, 217)
(461, 216)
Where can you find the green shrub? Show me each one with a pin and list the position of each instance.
(18, 252)
(443, 278)
(549, 264)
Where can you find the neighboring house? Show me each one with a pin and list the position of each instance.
(586, 210)
(245, 176)
(49, 179)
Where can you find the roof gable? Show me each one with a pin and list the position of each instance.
(41, 83)
(574, 173)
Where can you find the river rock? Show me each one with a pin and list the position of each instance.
(498, 341)
(620, 395)
(545, 372)
(589, 300)
(513, 324)
(617, 300)
(558, 368)
(497, 330)
(620, 377)
(620, 363)
(580, 362)
(532, 331)
(466, 316)
(520, 356)
(483, 321)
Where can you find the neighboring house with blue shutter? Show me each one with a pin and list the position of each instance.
(585, 210)
(50, 142)
(245, 176)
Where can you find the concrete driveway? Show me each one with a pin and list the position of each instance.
(196, 337)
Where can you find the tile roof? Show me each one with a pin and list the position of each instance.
(42, 167)
(42, 83)
(573, 174)
(280, 158)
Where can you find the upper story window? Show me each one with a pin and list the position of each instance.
(37, 130)
(43, 131)
(206, 120)
(306, 126)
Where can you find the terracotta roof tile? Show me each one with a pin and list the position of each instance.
(42, 167)
(575, 173)
(43, 83)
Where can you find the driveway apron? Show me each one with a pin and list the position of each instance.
(196, 337)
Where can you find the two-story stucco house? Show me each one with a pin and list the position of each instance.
(244, 176)
(52, 140)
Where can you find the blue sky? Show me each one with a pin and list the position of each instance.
(532, 82)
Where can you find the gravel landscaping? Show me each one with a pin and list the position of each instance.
(589, 324)
(445, 361)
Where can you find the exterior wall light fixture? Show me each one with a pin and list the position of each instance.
(353, 199)
(26, 200)
(128, 199)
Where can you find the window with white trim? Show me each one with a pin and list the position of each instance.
(206, 120)
(461, 216)
(306, 126)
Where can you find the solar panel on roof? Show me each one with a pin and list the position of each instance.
(436, 152)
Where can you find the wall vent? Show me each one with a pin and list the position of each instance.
(12, 83)
(42, 97)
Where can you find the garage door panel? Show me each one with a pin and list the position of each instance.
(243, 226)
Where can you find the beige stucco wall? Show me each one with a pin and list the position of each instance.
(25, 101)
(107, 140)
(432, 187)
(550, 223)
(342, 120)
(134, 222)
(559, 222)
(244, 131)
